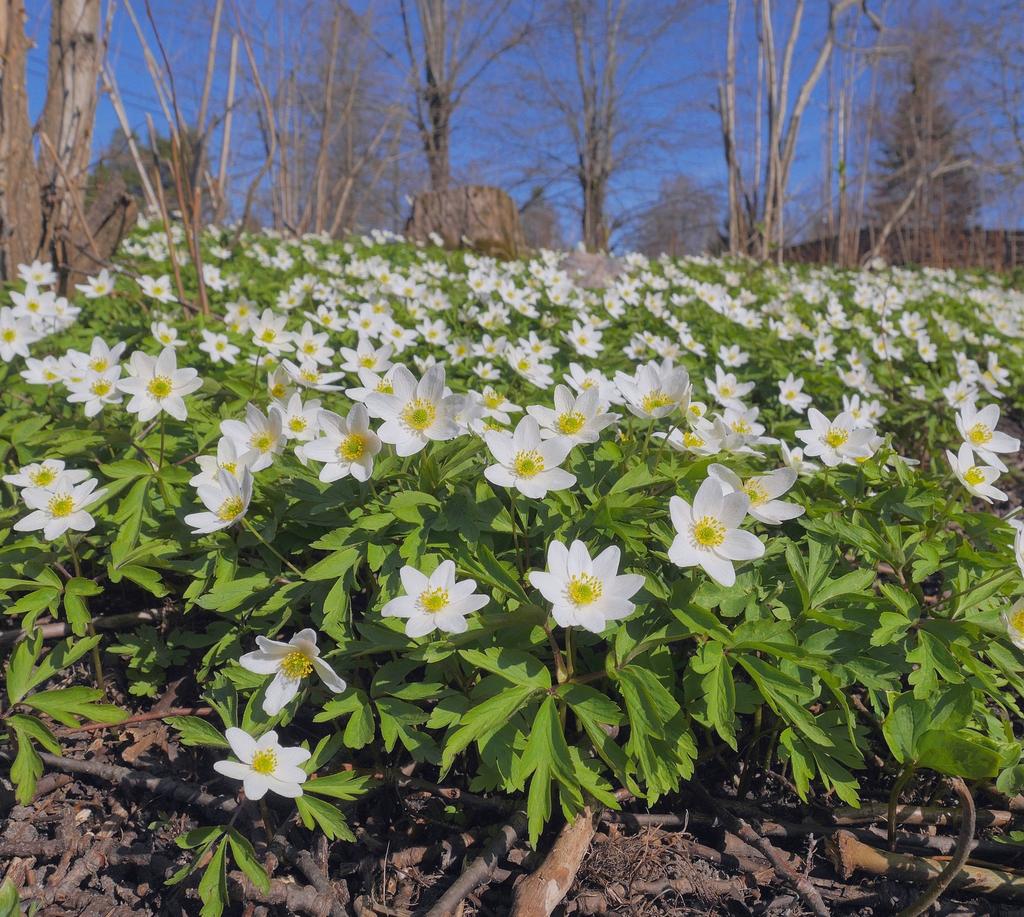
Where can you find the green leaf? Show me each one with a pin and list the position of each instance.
(316, 813)
(407, 505)
(513, 665)
(958, 754)
(245, 856)
(213, 886)
(335, 565)
(10, 902)
(19, 669)
(194, 730)
(345, 785)
(66, 705)
(483, 719)
(28, 766)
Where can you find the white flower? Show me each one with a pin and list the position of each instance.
(762, 489)
(435, 602)
(95, 287)
(159, 289)
(1018, 543)
(978, 428)
(583, 592)
(218, 347)
(268, 333)
(226, 502)
(263, 764)
(727, 391)
(416, 412)
(258, 433)
(38, 273)
(47, 371)
(100, 358)
(44, 475)
(794, 458)
(15, 335)
(1014, 621)
(96, 390)
(298, 421)
(229, 458)
(156, 384)
(580, 419)
(708, 533)
(655, 391)
(346, 446)
(289, 663)
(791, 394)
(526, 462)
(836, 441)
(166, 335)
(978, 479)
(366, 356)
(59, 507)
(308, 375)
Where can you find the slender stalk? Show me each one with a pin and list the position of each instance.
(163, 423)
(284, 560)
(894, 797)
(556, 651)
(97, 661)
(570, 654)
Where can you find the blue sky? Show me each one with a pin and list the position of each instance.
(496, 138)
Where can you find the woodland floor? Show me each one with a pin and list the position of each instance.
(102, 843)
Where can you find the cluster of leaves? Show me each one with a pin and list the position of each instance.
(888, 591)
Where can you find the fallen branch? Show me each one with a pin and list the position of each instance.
(540, 893)
(480, 870)
(296, 899)
(800, 884)
(924, 815)
(57, 630)
(304, 862)
(851, 855)
(140, 718)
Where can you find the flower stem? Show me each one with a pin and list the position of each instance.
(163, 423)
(271, 548)
(97, 660)
(556, 651)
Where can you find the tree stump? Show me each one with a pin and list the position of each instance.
(471, 216)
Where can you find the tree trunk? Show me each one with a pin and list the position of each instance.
(20, 208)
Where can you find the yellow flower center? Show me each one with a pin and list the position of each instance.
(296, 665)
(654, 400)
(298, 424)
(1017, 621)
(523, 365)
(691, 440)
(43, 477)
(740, 426)
(493, 400)
(419, 414)
(278, 390)
(309, 347)
(528, 464)
(434, 600)
(368, 362)
(268, 335)
(159, 387)
(708, 532)
(264, 761)
(101, 387)
(99, 365)
(8, 334)
(587, 383)
(584, 589)
(61, 505)
(231, 508)
(386, 387)
(262, 441)
(351, 447)
(980, 434)
(310, 375)
(726, 390)
(756, 491)
(571, 422)
(974, 475)
(230, 467)
(836, 436)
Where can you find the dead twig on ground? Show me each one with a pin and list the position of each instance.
(800, 884)
(480, 870)
(540, 893)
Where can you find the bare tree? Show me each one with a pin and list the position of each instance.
(601, 127)
(449, 47)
